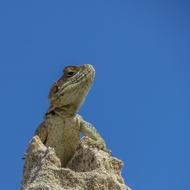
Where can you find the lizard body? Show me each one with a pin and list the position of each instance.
(62, 125)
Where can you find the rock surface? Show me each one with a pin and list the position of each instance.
(89, 168)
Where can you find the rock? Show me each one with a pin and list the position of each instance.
(90, 168)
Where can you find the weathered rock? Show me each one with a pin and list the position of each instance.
(90, 168)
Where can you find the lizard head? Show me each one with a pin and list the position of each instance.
(69, 91)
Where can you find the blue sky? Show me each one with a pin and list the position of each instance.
(140, 101)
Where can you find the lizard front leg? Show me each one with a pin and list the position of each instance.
(42, 132)
(88, 130)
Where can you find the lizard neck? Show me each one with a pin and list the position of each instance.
(66, 111)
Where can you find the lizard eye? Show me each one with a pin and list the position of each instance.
(70, 73)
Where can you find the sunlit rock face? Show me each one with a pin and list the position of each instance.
(89, 168)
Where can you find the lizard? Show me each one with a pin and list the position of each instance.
(62, 124)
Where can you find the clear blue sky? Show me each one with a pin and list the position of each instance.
(140, 101)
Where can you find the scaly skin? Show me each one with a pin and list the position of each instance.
(62, 125)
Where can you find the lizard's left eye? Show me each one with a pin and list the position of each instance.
(70, 73)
